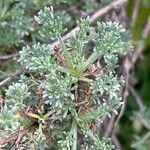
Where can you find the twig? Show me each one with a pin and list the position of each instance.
(110, 126)
(135, 12)
(116, 142)
(12, 76)
(136, 97)
(140, 46)
(13, 137)
(9, 57)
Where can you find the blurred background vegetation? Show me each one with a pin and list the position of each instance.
(132, 129)
(18, 28)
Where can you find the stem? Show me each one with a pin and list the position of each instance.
(81, 103)
(81, 47)
(143, 139)
(65, 52)
(91, 135)
(74, 130)
(49, 113)
(86, 79)
(62, 69)
(146, 136)
(90, 61)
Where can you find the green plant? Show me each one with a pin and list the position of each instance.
(68, 90)
(18, 26)
(142, 120)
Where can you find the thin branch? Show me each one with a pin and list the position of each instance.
(9, 57)
(135, 12)
(140, 46)
(13, 137)
(110, 126)
(12, 76)
(136, 97)
(116, 142)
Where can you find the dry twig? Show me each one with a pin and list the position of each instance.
(9, 57)
(13, 137)
(13, 76)
(136, 97)
(135, 12)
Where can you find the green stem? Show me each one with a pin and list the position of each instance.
(81, 47)
(86, 79)
(91, 135)
(69, 62)
(74, 130)
(90, 61)
(62, 69)
(145, 137)
(49, 113)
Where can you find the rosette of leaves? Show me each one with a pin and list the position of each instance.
(73, 90)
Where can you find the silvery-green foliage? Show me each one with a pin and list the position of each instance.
(83, 24)
(141, 142)
(107, 84)
(144, 116)
(51, 25)
(37, 58)
(105, 1)
(60, 91)
(91, 5)
(110, 38)
(92, 141)
(81, 37)
(8, 122)
(101, 144)
(57, 89)
(111, 61)
(17, 93)
(38, 134)
(20, 21)
(14, 22)
(76, 44)
(6, 35)
(105, 108)
(67, 142)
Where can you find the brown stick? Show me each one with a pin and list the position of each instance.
(13, 137)
(110, 126)
(135, 12)
(12, 76)
(116, 142)
(9, 57)
(136, 97)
